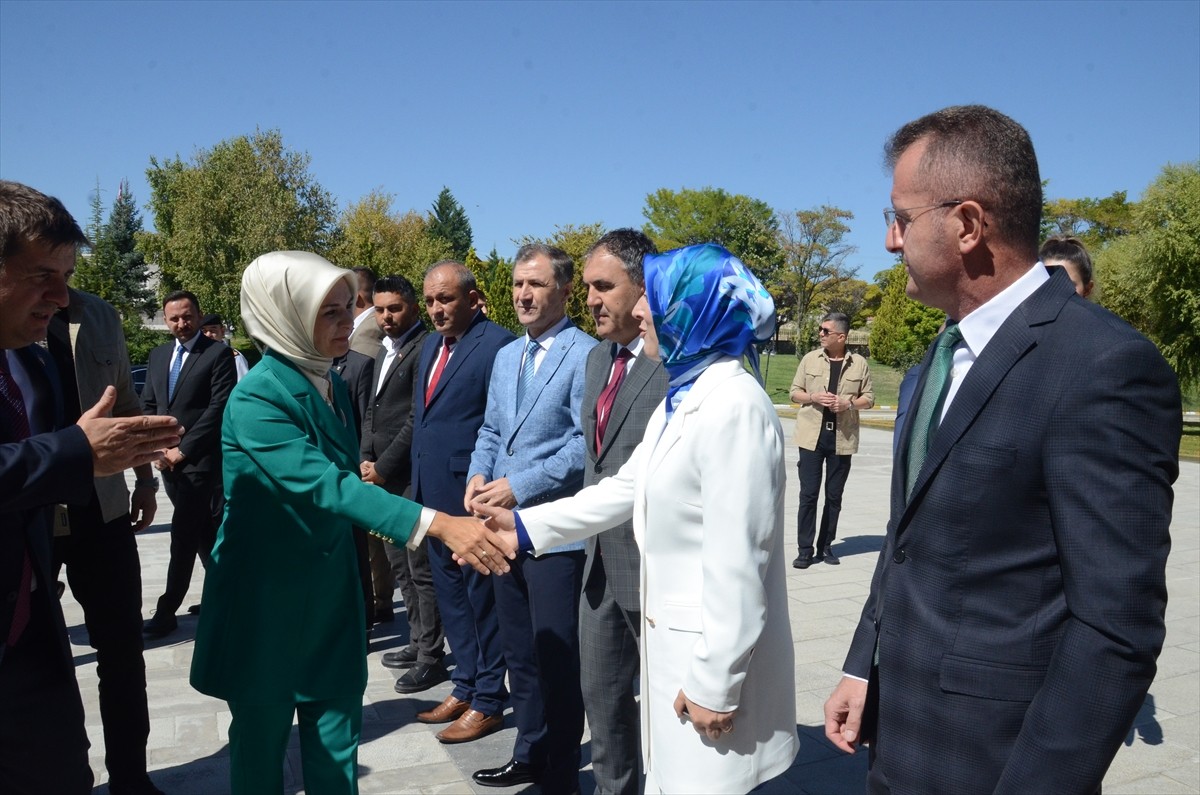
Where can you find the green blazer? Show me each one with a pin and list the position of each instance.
(283, 607)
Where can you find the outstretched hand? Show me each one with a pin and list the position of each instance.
(499, 520)
(473, 543)
(125, 442)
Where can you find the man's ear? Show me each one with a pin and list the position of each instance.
(971, 225)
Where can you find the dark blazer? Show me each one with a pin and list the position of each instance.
(203, 387)
(388, 423)
(445, 430)
(1019, 597)
(36, 474)
(643, 389)
(355, 369)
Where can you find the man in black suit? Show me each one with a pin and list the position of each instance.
(452, 381)
(387, 462)
(621, 390)
(191, 378)
(1016, 612)
(43, 744)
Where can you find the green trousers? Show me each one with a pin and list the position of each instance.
(329, 733)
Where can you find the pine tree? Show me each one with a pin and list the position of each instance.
(448, 221)
(113, 268)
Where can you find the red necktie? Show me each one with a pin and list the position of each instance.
(12, 404)
(443, 357)
(609, 395)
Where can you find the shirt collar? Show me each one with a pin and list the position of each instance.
(396, 344)
(547, 337)
(190, 344)
(980, 326)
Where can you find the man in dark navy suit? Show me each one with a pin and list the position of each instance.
(1017, 608)
(448, 406)
(43, 744)
(189, 378)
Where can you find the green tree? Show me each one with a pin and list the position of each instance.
(113, 268)
(448, 222)
(387, 242)
(903, 328)
(814, 252)
(1152, 277)
(575, 240)
(244, 197)
(1096, 222)
(745, 226)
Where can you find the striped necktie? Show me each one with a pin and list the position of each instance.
(527, 371)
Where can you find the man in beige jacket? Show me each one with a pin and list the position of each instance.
(831, 385)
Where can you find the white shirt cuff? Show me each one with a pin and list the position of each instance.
(422, 527)
(852, 676)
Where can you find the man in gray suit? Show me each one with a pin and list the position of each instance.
(621, 390)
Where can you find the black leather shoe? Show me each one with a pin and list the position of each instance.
(384, 615)
(159, 626)
(831, 558)
(405, 658)
(801, 562)
(422, 676)
(510, 775)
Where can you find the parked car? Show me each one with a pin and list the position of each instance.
(139, 377)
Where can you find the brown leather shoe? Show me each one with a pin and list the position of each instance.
(471, 726)
(449, 710)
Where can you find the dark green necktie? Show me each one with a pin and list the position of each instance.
(929, 412)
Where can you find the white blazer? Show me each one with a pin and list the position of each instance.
(705, 492)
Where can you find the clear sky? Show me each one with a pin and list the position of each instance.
(541, 114)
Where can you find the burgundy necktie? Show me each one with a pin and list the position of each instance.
(12, 404)
(609, 395)
(443, 357)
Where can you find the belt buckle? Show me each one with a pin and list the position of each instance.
(829, 425)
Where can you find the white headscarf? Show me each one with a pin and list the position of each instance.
(282, 293)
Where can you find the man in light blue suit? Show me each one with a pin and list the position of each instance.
(530, 450)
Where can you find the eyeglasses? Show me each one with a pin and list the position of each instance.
(824, 332)
(894, 216)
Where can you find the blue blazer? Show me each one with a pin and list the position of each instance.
(444, 431)
(539, 444)
(1017, 607)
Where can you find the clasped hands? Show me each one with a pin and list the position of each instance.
(830, 401)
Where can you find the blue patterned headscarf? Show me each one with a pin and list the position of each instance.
(706, 305)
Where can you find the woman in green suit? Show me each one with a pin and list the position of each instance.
(281, 632)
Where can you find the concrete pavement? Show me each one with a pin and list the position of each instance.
(189, 754)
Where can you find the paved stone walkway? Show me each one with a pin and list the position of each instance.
(189, 754)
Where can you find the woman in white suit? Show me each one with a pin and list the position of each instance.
(705, 491)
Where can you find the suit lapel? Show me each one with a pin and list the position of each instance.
(197, 351)
(329, 424)
(673, 432)
(635, 381)
(563, 341)
(462, 350)
(1013, 340)
(405, 351)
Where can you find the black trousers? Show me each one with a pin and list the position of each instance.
(411, 569)
(193, 531)
(105, 574)
(837, 469)
(43, 744)
(538, 607)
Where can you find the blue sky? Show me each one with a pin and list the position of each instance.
(540, 114)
